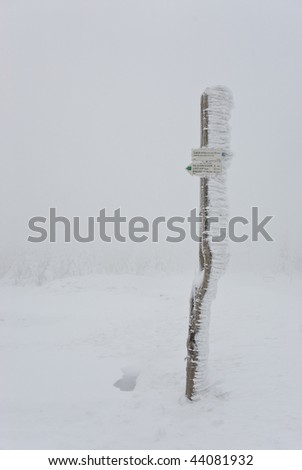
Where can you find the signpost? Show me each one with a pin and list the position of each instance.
(205, 162)
(209, 162)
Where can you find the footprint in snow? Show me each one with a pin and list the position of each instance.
(128, 381)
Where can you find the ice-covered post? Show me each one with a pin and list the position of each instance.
(210, 163)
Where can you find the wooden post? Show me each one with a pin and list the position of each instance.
(205, 258)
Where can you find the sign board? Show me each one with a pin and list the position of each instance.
(206, 162)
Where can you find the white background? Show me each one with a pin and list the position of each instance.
(99, 107)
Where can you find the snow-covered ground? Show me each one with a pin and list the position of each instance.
(67, 348)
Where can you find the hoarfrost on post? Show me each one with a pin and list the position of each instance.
(220, 103)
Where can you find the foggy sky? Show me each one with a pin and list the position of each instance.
(100, 108)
